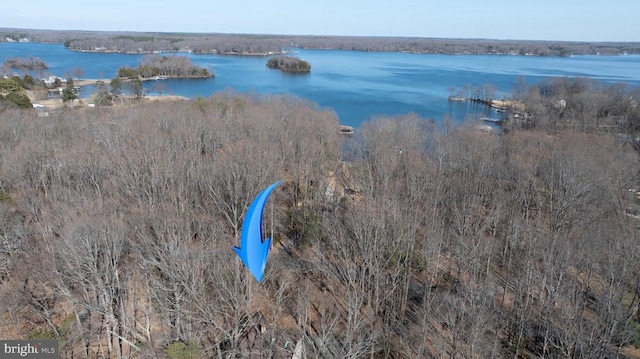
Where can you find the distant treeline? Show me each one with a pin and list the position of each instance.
(288, 64)
(170, 66)
(136, 42)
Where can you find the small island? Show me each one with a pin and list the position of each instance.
(289, 64)
(162, 67)
(28, 63)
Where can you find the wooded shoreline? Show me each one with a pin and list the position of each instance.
(263, 45)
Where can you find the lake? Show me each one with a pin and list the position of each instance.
(356, 85)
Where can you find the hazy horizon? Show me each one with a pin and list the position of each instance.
(545, 20)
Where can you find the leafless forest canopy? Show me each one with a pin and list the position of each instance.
(404, 240)
(264, 44)
(577, 104)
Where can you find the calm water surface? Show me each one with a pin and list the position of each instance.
(356, 85)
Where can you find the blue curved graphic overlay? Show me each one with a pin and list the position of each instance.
(253, 251)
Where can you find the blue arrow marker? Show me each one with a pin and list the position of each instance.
(253, 251)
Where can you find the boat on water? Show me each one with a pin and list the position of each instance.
(497, 121)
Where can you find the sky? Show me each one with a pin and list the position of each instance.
(570, 20)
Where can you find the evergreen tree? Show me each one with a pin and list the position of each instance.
(69, 94)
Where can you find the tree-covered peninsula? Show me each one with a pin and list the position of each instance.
(172, 66)
(289, 64)
(28, 63)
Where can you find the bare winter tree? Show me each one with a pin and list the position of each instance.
(94, 277)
